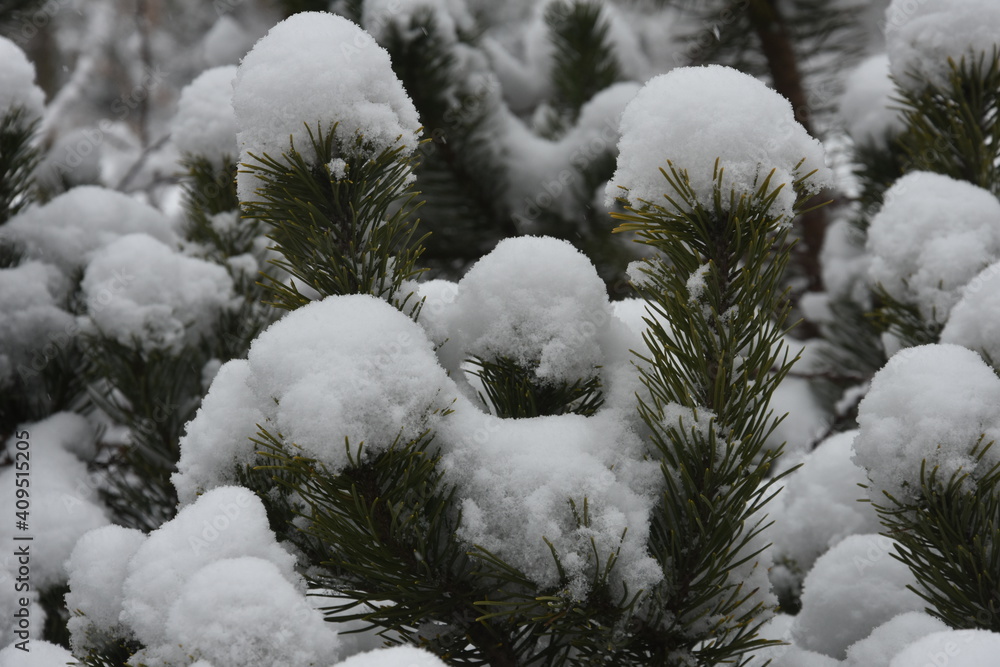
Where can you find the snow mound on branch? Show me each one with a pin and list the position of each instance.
(922, 36)
(64, 500)
(142, 293)
(34, 327)
(954, 648)
(397, 656)
(42, 654)
(975, 320)
(216, 442)
(852, 588)
(691, 116)
(348, 367)
(933, 403)
(818, 506)
(68, 230)
(318, 68)
(932, 236)
(97, 570)
(888, 639)
(865, 103)
(242, 611)
(227, 522)
(205, 123)
(516, 478)
(539, 302)
(17, 82)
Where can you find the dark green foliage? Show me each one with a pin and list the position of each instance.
(956, 130)
(877, 167)
(115, 654)
(155, 394)
(950, 540)
(18, 159)
(905, 321)
(584, 61)
(350, 235)
(462, 168)
(14, 11)
(387, 524)
(289, 7)
(514, 392)
(709, 380)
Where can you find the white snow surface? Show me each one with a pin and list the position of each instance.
(70, 228)
(932, 236)
(64, 500)
(42, 654)
(888, 639)
(145, 295)
(975, 320)
(538, 301)
(97, 569)
(922, 35)
(242, 611)
(516, 478)
(205, 123)
(217, 441)
(933, 403)
(852, 588)
(345, 367)
(954, 648)
(318, 68)
(692, 116)
(226, 522)
(397, 656)
(818, 506)
(865, 103)
(17, 82)
(34, 326)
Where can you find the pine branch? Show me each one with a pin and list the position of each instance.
(18, 159)
(515, 392)
(349, 232)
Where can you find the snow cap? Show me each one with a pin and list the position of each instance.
(691, 116)
(318, 68)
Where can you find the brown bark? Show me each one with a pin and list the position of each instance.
(776, 45)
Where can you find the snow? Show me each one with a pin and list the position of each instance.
(397, 656)
(318, 68)
(216, 443)
(348, 367)
(975, 319)
(931, 402)
(226, 522)
(144, 295)
(852, 588)
(818, 506)
(537, 301)
(97, 569)
(41, 654)
(70, 228)
(34, 326)
(866, 101)
(205, 123)
(242, 611)
(954, 648)
(932, 236)
(64, 499)
(922, 36)
(844, 262)
(691, 116)
(515, 479)
(17, 82)
(888, 639)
